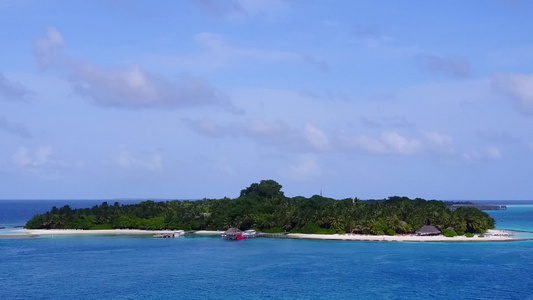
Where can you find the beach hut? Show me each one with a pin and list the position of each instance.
(232, 234)
(428, 230)
(357, 230)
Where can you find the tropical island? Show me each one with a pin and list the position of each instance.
(264, 207)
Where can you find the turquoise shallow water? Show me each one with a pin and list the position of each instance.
(516, 217)
(106, 267)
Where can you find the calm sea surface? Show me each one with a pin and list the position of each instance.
(106, 267)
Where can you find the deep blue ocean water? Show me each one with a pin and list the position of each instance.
(109, 267)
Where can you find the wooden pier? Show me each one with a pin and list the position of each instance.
(164, 235)
(236, 234)
(273, 235)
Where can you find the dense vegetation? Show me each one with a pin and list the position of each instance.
(263, 206)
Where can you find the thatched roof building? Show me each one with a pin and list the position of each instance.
(232, 233)
(233, 230)
(428, 230)
(357, 230)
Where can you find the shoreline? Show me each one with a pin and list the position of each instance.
(38, 232)
(490, 236)
(406, 238)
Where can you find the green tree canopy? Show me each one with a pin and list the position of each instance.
(263, 206)
(264, 189)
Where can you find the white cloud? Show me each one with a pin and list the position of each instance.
(151, 162)
(394, 143)
(368, 145)
(46, 49)
(400, 144)
(493, 153)
(518, 87)
(438, 139)
(40, 157)
(129, 87)
(306, 168)
(488, 153)
(311, 138)
(39, 161)
(431, 143)
(388, 143)
(43, 162)
(273, 133)
(276, 134)
(316, 137)
(438, 143)
(135, 88)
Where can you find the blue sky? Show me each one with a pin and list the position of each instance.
(193, 99)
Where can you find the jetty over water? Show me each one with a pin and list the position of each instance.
(236, 234)
(172, 234)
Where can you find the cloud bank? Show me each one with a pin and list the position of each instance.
(312, 139)
(128, 87)
(134, 88)
(276, 134)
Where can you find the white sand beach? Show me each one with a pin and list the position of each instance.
(490, 236)
(89, 232)
(104, 231)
